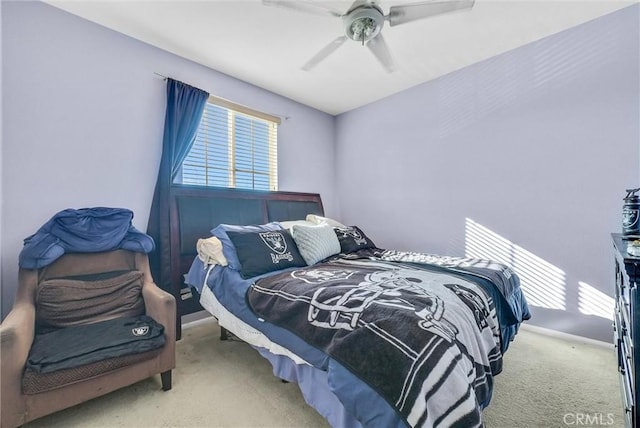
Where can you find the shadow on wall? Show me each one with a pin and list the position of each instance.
(550, 63)
(543, 284)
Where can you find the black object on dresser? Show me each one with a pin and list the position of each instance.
(626, 327)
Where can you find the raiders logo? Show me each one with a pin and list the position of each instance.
(140, 331)
(275, 241)
(353, 233)
(629, 218)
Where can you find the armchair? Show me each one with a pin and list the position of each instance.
(25, 394)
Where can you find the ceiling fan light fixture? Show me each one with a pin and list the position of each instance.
(364, 20)
(363, 23)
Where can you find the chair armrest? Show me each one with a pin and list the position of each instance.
(161, 306)
(16, 336)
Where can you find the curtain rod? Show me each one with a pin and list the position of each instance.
(220, 98)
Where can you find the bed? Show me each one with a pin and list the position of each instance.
(373, 337)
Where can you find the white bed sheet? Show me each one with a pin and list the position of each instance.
(242, 330)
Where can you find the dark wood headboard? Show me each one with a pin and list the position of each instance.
(195, 210)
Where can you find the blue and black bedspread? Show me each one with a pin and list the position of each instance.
(421, 331)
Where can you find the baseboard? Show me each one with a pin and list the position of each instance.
(566, 336)
(196, 319)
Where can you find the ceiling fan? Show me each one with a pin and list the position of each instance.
(364, 20)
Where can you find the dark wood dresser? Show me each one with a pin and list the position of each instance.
(626, 327)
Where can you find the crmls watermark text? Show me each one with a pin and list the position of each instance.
(588, 419)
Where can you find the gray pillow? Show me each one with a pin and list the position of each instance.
(315, 243)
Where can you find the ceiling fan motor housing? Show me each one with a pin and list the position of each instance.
(363, 23)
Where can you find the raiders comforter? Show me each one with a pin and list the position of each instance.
(425, 340)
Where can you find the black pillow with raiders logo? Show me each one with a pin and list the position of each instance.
(352, 239)
(262, 252)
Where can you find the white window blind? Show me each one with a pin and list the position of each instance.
(234, 147)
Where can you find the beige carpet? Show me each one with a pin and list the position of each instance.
(546, 382)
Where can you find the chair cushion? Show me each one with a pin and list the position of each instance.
(74, 300)
(35, 383)
(78, 345)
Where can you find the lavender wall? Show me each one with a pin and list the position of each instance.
(529, 151)
(83, 120)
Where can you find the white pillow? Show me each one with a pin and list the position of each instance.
(315, 243)
(210, 251)
(289, 223)
(316, 219)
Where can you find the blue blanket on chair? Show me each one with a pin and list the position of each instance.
(86, 230)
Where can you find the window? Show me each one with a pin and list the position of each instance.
(234, 147)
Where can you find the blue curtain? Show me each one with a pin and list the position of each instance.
(185, 105)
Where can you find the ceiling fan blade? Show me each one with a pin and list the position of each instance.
(412, 12)
(378, 46)
(324, 52)
(303, 6)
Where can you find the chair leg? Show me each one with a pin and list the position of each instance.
(223, 333)
(166, 380)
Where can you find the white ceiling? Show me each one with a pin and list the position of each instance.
(267, 46)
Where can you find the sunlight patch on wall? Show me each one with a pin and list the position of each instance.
(542, 283)
(592, 301)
